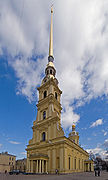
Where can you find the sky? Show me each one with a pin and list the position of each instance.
(80, 58)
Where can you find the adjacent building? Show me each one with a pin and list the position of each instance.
(21, 164)
(7, 162)
(49, 150)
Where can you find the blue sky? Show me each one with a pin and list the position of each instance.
(80, 51)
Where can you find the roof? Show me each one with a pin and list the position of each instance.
(6, 154)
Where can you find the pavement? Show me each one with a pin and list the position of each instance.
(73, 176)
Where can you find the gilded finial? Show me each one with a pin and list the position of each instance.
(52, 8)
(51, 58)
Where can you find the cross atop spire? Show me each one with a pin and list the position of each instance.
(50, 57)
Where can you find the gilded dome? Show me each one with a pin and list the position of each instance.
(50, 64)
(73, 126)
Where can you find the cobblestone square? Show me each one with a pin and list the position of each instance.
(73, 176)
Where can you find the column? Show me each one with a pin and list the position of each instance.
(61, 159)
(35, 166)
(54, 129)
(49, 132)
(37, 136)
(31, 166)
(39, 166)
(88, 167)
(65, 159)
(42, 166)
(28, 165)
(72, 163)
(54, 160)
(49, 162)
(46, 166)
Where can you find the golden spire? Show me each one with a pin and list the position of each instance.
(51, 58)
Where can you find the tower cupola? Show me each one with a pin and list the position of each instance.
(74, 136)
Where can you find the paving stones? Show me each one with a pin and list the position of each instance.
(73, 176)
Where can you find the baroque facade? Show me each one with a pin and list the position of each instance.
(49, 150)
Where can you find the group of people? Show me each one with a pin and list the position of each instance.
(97, 171)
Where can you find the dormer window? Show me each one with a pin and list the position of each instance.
(45, 94)
(44, 115)
(55, 95)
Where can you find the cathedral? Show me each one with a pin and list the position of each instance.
(49, 150)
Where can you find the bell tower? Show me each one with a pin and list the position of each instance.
(74, 136)
(48, 125)
(49, 150)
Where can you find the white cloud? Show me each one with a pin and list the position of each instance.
(1, 145)
(80, 47)
(106, 143)
(23, 153)
(99, 151)
(28, 73)
(97, 123)
(105, 133)
(69, 117)
(14, 142)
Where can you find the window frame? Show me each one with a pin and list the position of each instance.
(44, 115)
(43, 136)
(45, 94)
(56, 95)
(51, 72)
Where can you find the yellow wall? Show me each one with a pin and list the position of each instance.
(57, 150)
(7, 162)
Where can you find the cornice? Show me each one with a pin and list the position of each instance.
(46, 122)
(58, 141)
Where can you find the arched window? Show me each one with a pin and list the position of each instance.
(74, 163)
(55, 95)
(45, 94)
(43, 136)
(47, 72)
(50, 71)
(44, 115)
(69, 163)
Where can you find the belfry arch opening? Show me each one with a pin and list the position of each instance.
(43, 136)
(56, 95)
(44, 115)
(45, 94)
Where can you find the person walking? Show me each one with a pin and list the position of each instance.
(98, 171)
(95, 172)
